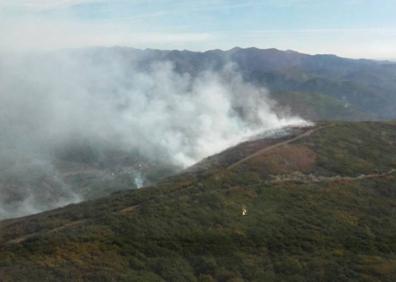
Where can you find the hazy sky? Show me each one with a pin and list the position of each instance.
(353, 28)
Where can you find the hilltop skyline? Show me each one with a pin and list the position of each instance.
(356, 29)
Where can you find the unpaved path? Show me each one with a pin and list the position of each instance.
(299, 177)
(21, 239)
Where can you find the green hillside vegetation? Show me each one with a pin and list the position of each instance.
(316, 106)
(320, 206)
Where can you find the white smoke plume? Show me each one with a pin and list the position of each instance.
(49, 100)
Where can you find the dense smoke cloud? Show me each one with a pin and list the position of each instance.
(48, 101)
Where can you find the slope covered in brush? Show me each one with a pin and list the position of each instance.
(319, 205)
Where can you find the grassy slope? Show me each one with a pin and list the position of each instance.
(317, 106)
(190, 227)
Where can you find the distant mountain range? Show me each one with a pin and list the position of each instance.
(315, 86)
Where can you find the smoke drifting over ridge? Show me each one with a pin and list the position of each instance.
(50, 101)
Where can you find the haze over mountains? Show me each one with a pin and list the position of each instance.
(366, 87)
(102, 117)
(120, 115)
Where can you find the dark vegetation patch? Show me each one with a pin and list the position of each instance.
(284, 159)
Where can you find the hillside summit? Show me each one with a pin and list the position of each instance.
(316, 204)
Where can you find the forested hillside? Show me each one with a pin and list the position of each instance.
(309, 204)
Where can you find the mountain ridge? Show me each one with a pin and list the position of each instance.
(363, 89)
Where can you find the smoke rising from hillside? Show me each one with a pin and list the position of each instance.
(48, 101)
